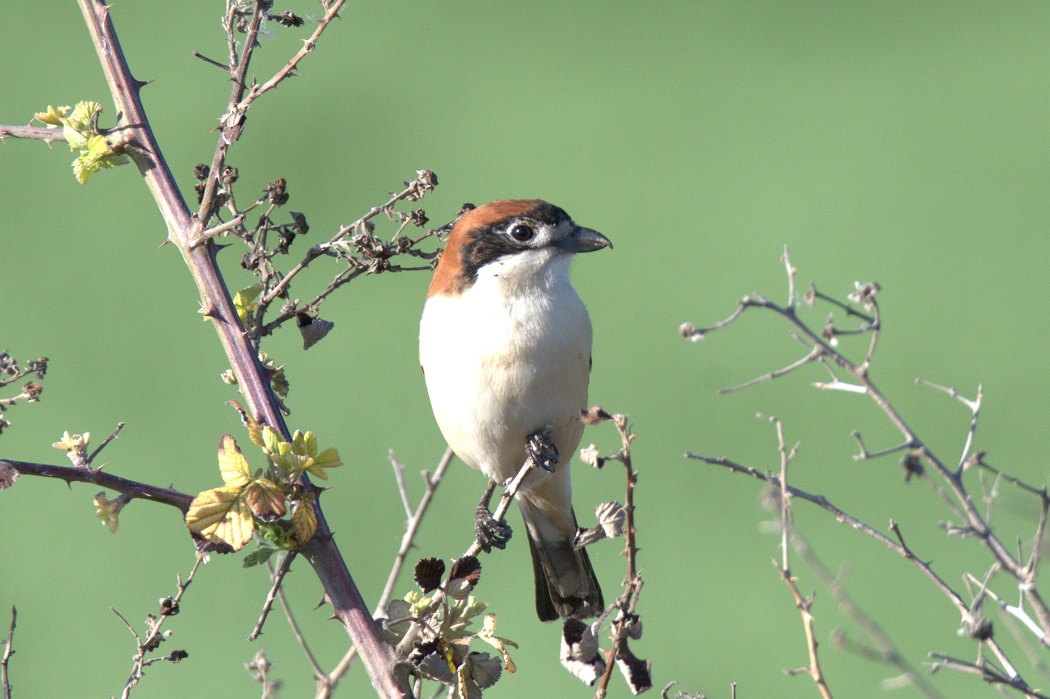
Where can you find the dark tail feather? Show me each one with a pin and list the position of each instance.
(551, 606)
(566, 586)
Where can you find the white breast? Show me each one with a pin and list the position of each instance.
(504, 359)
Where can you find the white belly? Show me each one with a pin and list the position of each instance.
(498, 371)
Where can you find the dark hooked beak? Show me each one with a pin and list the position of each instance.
(583, 240)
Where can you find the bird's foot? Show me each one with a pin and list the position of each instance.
(489, 531)
(542, 450)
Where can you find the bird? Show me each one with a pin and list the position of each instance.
(505, 348)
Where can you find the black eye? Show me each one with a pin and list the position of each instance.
(521, 232)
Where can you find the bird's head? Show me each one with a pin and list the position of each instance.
(521, 241)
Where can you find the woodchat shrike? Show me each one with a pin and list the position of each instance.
(505, 346)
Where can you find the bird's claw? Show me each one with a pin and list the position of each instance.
(488, 531)
(542, 450)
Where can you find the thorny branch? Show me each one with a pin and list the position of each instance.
(919, 460)
(626, 623)
(132, 489)
(431, 482)
(803, 604)
(327, 683)
(169, 606)
(132, 136)
(277, 577)
(5, 659)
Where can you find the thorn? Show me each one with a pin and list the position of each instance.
(211, 312)
(166, 241)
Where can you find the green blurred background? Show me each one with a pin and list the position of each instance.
(899, 142)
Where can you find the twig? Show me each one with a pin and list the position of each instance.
(973, 405)
(107, 440)
(510, 490)
(298, 633)
(153, 639)
(412, 527)
(975, 410)
(5, 680)
(412, 190)
(850, 310)
(803, 604)
(885, 650)
(864, 454)
(331, 681)
(813, 355)
(218, 230)
(791, 272)
(217, 64)
(627, 602)
(896, 546)
(11, 371)
(986, 672)
(399, 476)
(277, 577)
(331, 12)
(1016, 612)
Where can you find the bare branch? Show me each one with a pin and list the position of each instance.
(974, 521)
(986, 672)
(896, 546)
(803, 604)
(154, 638)
(865, 454)
(278, 577)
(412, 527)
(791, 273)
(885, 650)
(9, 644)
(813, 355)
(331, 12)
(399, 476)
(627, 602)
(133, 489)
(107, 440)
(813, 294)
(34, 133)
(332, 679)
(695, 334)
